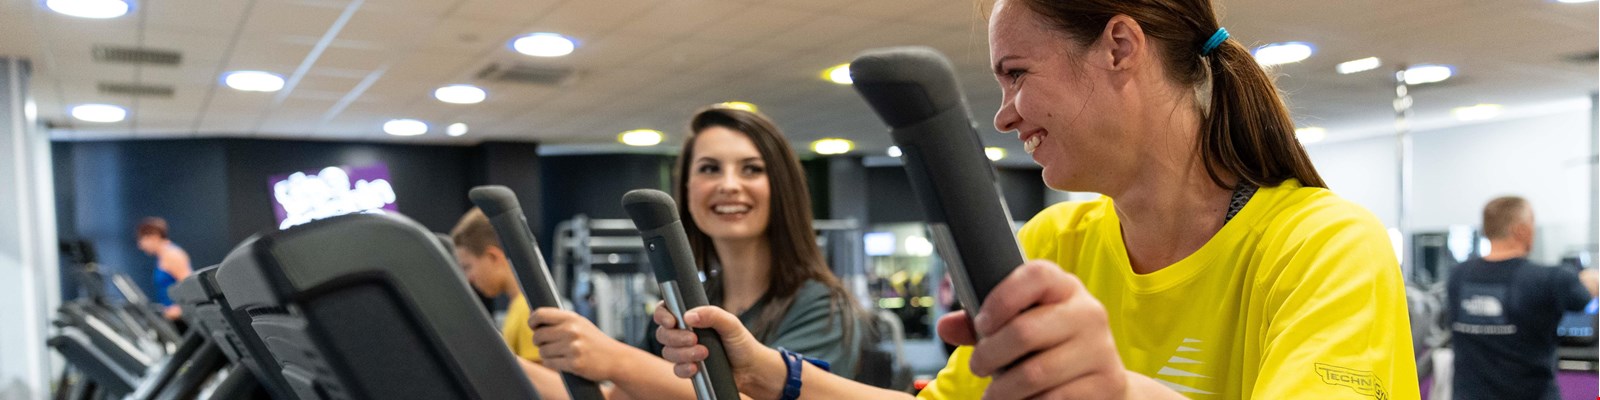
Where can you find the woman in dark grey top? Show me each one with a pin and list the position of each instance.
(747, 212)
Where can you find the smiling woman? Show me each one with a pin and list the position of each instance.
(750, 228)
(746, 210)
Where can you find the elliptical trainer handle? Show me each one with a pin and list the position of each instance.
(915, 91)
(656, 215)
(511, 226)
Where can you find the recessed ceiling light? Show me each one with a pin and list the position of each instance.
(253, 81)
(405, 127)
(460, 94)
(994, 153)
(839, 74)
(894, 151)
(738, 105)
(1282, 53)
(1478, 112)
(1574, 1)
(97, 9)
(103, 113)
(1354, 66)
(456, 129)
(641, 137)
(1309, 135)
(831, 146)
(543, 44)
(1426, 73)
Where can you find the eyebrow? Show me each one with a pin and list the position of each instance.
(744, 160)
(1002, 61)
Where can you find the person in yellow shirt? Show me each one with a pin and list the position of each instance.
(478, 252)
(1216, 264)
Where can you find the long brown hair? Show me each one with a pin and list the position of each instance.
(1247, 131)
(795, 255)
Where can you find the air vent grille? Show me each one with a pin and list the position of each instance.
(543, 75)
(134, 89)
(136, 55)
(1583, 57)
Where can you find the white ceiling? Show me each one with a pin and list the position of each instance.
(649, 63)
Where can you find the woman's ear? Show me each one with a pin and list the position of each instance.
(1123, 44)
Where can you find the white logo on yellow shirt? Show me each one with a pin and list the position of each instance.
(1178, 361)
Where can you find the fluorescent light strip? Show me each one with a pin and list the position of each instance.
(1362, 65)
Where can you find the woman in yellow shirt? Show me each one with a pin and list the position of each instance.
(1217, 264)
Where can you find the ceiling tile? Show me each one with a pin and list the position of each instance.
(286, 18)
(680, 18)
(753, 24)
(585, 20)
(505, 11)
(200, 18)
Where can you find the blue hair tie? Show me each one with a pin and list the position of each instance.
(1216, 40)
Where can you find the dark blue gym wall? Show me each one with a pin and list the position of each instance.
(1023, 189)
(115, 184)
(518, 167)
(214, 192)
(889, 196)
(593, 185)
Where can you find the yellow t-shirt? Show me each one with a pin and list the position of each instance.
(1299, 296)
(516, 332)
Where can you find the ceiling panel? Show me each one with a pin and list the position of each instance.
(395, 29)
(292, 18)
(515, 12)
(201, 19)
(270, 55)
(754, 23)
(680, 18)
(652, 62)
(588, 20)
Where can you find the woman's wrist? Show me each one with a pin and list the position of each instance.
(766, 376)
(618, 370)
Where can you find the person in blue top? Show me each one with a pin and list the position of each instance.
(172, 263)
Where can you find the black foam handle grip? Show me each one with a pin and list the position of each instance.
(511, 226)
(915, 91)
(667, 245)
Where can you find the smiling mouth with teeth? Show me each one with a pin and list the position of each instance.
(1032, 143)
(730, 209)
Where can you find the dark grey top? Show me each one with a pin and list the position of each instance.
(810, 328)
(1503, 316)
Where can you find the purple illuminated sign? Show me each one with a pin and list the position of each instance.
(307, 196)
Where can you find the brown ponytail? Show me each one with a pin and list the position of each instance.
(1247, 130)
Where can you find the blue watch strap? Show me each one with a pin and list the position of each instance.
(791, 382)
(794, 363)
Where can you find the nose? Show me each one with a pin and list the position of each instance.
(728, 182)
(1007, 118)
